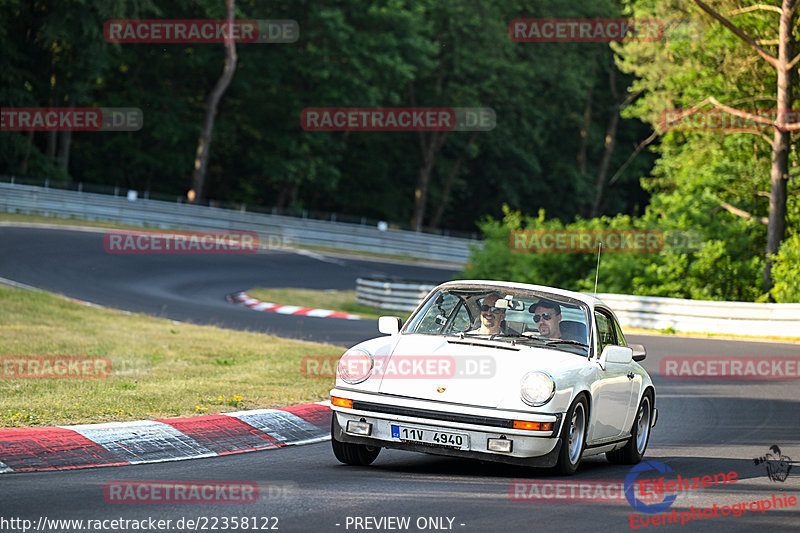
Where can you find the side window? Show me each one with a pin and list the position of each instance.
(437, 314)
(461, 322)
(620, 337)
(605, 329)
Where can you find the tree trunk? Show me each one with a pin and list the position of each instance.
(602, 172)
(429, 147)
(280, 201)
(204, 142)
(779, 173)
(449, 182)
(52, 137)
(587, 123)
(609, 145)
(430, 150)
(64, 143)
(23, 167)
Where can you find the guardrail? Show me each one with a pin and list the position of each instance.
(651, 312)
(27, 199)
(389, 295)
(703, 316)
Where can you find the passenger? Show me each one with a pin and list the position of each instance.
(547, 315)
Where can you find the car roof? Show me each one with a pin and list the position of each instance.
(591, 301)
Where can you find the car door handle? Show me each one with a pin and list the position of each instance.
(630, 375)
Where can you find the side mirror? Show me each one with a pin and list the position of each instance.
(389, 324)
(615, 354)
(639, 353)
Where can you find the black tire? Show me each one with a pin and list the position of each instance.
(352, 454)
(573, 438)
(633, 451)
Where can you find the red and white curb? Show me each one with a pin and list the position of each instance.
(258, 305)
(152, 441)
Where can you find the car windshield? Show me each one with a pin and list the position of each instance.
(505, 314)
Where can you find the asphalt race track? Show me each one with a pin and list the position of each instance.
(705, 427)
(193, 287)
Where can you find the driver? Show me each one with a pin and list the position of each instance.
(547, 315)
(492, 318)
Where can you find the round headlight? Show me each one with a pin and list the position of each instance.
(537, 388)
(355, 366)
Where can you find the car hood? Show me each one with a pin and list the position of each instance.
(467, 371)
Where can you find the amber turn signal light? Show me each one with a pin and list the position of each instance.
(341, 402)
(533, 426)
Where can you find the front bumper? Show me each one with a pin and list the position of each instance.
(529, 448)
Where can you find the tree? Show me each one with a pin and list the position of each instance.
(713, 181)
(54, 55)
(784, 65)
(370, 54)
(538, 91)
(708, 61)
(204, 142)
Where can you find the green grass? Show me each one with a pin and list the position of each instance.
(159, 368)
(344, 301)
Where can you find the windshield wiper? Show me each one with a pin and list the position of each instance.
(565, 341)
(490, 336)
(466, 335)
(480, 339)
(496, 335)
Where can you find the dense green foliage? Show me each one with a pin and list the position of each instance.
(691, 264)
(695, 176)
(787, 271)
(367, 53)
(555, 105)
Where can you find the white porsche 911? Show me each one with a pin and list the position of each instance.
(508, 372)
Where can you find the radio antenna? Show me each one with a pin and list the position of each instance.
(597, 272)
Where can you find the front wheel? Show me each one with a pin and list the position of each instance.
(573, 438)
(634, 450)
(352, 454)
